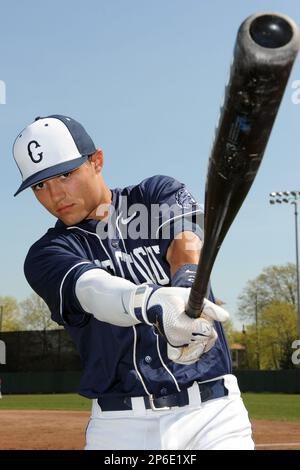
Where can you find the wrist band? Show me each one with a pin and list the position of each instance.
(184, 276)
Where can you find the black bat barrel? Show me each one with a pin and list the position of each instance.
(264, 53)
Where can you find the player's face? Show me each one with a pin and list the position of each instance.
(75, 196)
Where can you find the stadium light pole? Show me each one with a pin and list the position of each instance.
(1, 316)
(291, 197)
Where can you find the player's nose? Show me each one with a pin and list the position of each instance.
(56, 190)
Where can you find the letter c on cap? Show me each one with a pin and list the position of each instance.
(36, 145)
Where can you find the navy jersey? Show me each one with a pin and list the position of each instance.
(132, 244)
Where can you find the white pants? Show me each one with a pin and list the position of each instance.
(221, 423)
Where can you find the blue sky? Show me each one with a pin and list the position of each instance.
(146, 79)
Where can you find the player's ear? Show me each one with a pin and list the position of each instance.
(97, 160)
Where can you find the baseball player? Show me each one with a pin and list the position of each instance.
(116, 271)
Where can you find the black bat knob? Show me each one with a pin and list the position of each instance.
(271, 31)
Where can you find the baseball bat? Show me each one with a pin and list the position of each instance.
(265, 50)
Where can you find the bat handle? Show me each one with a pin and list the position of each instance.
(200, 285)
(194, 309)
(197, 294)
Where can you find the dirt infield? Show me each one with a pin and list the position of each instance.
(49, 430)
(42, 430)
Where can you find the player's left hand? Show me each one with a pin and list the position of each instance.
(190, 354)
(165, 309)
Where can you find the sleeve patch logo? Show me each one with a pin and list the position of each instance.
(184, 198)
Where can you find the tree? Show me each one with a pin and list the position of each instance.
(251, 343)
(236, 338)
(274, 284)
(269, 301)
(232, 335)
(269, 343)
(36, 314)
(278, 330)
(11, 318)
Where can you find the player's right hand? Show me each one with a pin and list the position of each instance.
(165, 309)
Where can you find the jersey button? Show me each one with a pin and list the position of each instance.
(163, 391)
(148, 359)
(115, 243)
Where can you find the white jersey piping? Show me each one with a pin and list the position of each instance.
(62, 283)
(164, 365)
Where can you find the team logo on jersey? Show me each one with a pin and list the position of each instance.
(32, 146)
(184, 198)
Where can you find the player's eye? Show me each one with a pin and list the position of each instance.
(65, 175)
(38, 186)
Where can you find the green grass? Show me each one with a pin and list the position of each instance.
(280, 407)
(274, 406)
(66, 401)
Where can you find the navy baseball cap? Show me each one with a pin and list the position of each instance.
(49, 147)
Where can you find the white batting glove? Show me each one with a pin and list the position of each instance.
(165, 307)
(190, 354)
